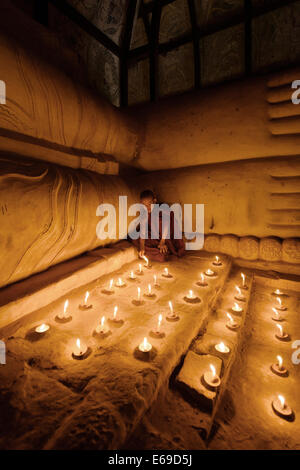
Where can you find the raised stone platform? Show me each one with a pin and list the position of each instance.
(52, 401)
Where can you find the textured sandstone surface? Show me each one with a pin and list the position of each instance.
(53, 401)
(257, 198)
(49, 214)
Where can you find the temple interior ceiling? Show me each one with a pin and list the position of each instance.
(173, 46)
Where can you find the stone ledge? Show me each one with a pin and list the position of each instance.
(39, 290)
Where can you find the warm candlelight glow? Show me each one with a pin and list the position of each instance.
(217, 259)
(155, 279)
(66, 306)
(278, 292)
(280, 329)
(120, 282)
(230, 318)
(86, 297)
(139, 293)
(115, 312)
(222, 348)
(191, 294)
(243, 279)
(213, 371)
(111, 284)
(42, 328)
(276, 312)
(132, 276)
(140, 268)
(171, 307)
(238, 290)
(236, 307)
(202, 277)
(102, 322)
(80, 348)
(279, 362)
(209, 272)
(145, 346)
(146, 260)
(166, 271)
(279, 301)
(282, 401)
(149, 289)
(159, 323)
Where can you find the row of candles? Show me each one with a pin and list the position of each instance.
(279, 404)
(103, 328)
(210, 376)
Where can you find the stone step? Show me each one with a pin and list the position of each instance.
(203, 351)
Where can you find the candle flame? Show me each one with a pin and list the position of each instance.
(282, 401)
(191, 294)
(279, 301)
(213, 370)
(149, 289)
(238, 290)
(229, 317)
(138, 293)
(111, 283)
(275, 311)
(102, 321)
(115, 312)
(159, 321)
(146, 259)
(66, 305)
(171, 306)
(217, 259)
(86, 296)
(222, 347)
(78, 343)
(140, 268)
(278, 292)
(243, 278)
(155, 279)
(166, 271)
(202, 277)
(145, 343)
(236, 306)
(132, 275)
(280, 361)
(280, 329)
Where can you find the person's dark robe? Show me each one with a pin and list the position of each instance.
(152, 240)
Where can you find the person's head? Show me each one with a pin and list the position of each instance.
(147, 197)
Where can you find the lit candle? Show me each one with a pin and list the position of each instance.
(41, 329)
(140, 270)
(147, 265)
(102, 329)
(280, 306)
(120, 282)
(202, 281)
(276, 316)
(109, 290)
(281, 408)
(280, 333)
(132, 276)
(278, 292)
(236, 308)
(80, 349)
(64, 316)
(145, 346)
(278, 367)
(243, 280)
(138, 294)
(155, 281)
(85, 305)
(191, 297)
(210, 272)
(211, 378)
(222, 348)
(217, 261)
(166, 273)
(231, 324)
(172, 315)
(239, 295)
(115, 312)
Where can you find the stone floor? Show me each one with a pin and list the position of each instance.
(115, 399)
